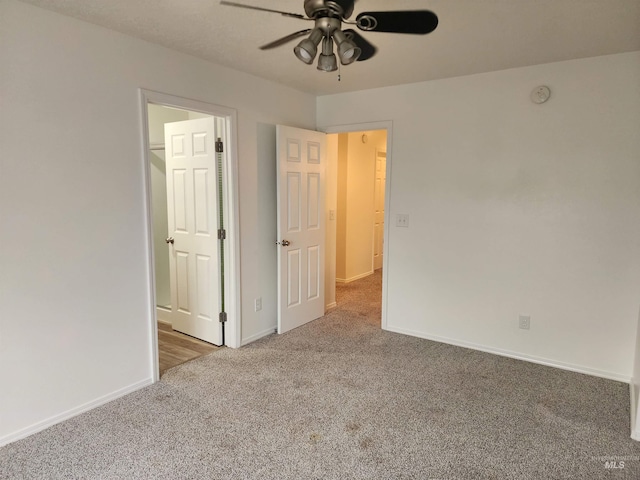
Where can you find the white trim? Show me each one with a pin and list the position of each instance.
(634, 391)
(388, 126)
(233, 331)
(258, 336)
(38, 427)
(232, 257)
(353, 279)
(518, 356)
(162, 314)
(150, 267)
(331, 306)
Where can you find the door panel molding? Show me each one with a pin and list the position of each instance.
(194, 255)
(300, 178)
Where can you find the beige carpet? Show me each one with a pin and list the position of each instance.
(342, 399)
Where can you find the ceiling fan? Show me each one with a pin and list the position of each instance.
(328, 17)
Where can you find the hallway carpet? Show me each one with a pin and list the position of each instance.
(340, 398)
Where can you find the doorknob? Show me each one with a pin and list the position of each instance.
(169, 240)
(284, 243)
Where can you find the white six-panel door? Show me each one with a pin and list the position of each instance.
(192, 199)
(301, 229)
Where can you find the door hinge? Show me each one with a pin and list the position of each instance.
(219, 146)
(222, 234)
(223, 317)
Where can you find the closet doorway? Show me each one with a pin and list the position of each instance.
(192, 228)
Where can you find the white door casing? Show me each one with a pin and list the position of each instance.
(192, 205)
(379, 191)
(301, 228)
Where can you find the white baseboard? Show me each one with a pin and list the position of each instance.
(163, 315)
(330, 306)
(258, 336)
(634, 392)
(353, 279)
(518, 356)
(37, 427)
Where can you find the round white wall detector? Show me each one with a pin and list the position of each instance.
(540, 94)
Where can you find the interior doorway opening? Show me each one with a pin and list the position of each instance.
(357, 205)
(191, 192)
(177, 343)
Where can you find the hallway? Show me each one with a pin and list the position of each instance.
(362, 298)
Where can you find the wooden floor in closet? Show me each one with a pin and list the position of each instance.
(175, 348)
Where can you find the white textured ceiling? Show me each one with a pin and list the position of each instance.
(473, 36)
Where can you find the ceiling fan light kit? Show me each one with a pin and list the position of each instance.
(306, 50)
(348, 51)
(329, 15)
(327, 60)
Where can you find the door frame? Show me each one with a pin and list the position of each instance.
(388, 126)
(231, 212)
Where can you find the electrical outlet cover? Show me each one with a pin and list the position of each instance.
(402, 220)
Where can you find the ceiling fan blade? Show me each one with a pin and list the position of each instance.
(262, 9)
(418, 22)
(368, 50)
(285, 39)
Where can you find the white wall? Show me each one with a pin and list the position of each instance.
(331, 210)
(75, 309)
(340, 162)
(515, 208)
(158, 174)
